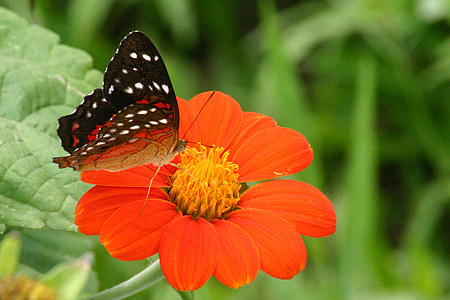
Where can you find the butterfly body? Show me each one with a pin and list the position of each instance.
(132, 121)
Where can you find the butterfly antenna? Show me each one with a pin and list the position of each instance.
(149, 187)
(196, 117)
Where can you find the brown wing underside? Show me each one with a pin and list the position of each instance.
(137, 135)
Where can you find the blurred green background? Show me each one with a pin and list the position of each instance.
(366, 81)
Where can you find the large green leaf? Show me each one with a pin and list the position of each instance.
(40, 80)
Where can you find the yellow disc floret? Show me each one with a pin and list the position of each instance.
(206, 185)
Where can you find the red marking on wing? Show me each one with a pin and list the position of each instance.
(109, 123)
(93, 135)
(162, 105)
(142, 135)
(75, 141)
(165, 133)
(143, 101)
(75, 126)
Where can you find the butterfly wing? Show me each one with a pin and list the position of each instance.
(136, 122)
(81, 127)
(137, 135)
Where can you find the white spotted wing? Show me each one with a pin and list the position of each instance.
(132, 121)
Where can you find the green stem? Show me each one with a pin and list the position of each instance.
(148, 277)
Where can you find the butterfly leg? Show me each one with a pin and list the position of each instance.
(189, 174)
(149, 187)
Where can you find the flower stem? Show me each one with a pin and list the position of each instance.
(149, 276)
(189, 295)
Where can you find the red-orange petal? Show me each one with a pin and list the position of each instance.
(134, 231)
(220, 118)
(135, 177)
(100, 202)
(239, 258)
(189, 253)
(272, 153)
(281, 249)
(252, 123)
(188, 130)
(302, 205)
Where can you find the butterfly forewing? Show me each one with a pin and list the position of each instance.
(137, 74)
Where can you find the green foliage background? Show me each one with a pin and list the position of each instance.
(366, 81)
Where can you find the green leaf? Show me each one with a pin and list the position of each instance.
(40, 80)
(44, 248)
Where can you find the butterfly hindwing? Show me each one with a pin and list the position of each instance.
(81, 127)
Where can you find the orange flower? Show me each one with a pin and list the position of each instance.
(197, 217)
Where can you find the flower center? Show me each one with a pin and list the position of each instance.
(206, 185)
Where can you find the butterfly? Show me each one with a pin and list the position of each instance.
(133, 120)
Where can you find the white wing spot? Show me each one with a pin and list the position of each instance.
(163, 121)
(117, 80)
(146, 57)
(124, 132)
(124, 71)
(134, 69)
(88, 114)
(89, 148)
(104, 100)
(112, 130)
(94, 105)
(156, 85)
(139, 85)
(100, 143)
(111, 89)
(133, 55)
(129, 116)
(153, 122)
(165, 87)
(119, 124)
(83, 153)
(150, 87)
(156, 58)
(134, 127)
(133, 140)
(142, 112)
(153, 109)
(147, 125)
(129, 90)
(106, 135)
(113, 138)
